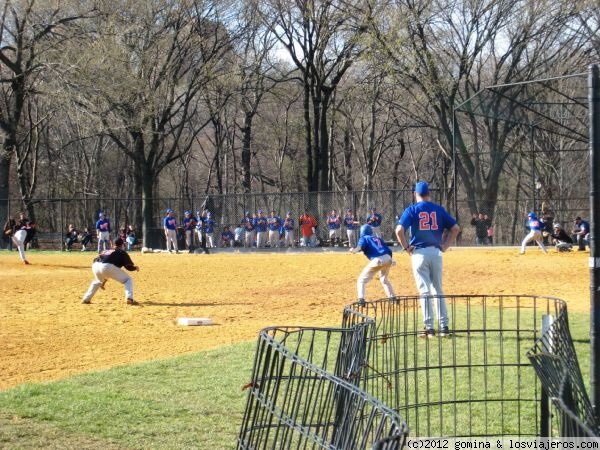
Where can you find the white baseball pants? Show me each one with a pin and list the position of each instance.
(427, 271)
(382, 264)
(19, 240)
(534, 235)
(104, 271)
(171, 236)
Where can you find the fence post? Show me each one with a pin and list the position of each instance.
(594, 261)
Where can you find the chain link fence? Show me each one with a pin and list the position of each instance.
(53, 216)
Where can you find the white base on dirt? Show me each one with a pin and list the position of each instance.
(194, 321)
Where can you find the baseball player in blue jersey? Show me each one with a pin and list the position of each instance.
(288, 227)
(374, 219)
(209, 230)
(200, 227)
(427, 223)
(351, 225)
(380, 260)
(170, 228)
(334, 222)
(260, 226)
(273, 224)
(535, 232)
(581, 233)
(103, 232)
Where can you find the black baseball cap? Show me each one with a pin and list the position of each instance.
(118, 242)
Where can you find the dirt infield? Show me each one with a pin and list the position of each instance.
(46, 333)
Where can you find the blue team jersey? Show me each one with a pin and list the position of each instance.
(333, 222)
(170, 223)
(103, 225)
(288, 224)
(374, 220)
(373, 247)
(274, 223)
(584, 226)
(260, 224)
(188, 223)
(349, 222)
(209, 226)
(426, 222)
(227, 236)
(535, 225)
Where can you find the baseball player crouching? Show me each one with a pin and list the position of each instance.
(108, 265)
(380, 260)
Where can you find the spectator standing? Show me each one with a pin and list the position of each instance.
(374, 219)
(288, 227)
(9, 229)
(581, 233)
(351, 225)
(103, 232)
(260, 226)
(380, 261)
(432, 231)
(273, 223)
(334, 222)
(70, 237)
(481, 226)
(535, 232)
(170, 229)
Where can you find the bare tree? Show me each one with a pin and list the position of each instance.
(30, 35)
(446, 51)
(323, 40)
(142, 77)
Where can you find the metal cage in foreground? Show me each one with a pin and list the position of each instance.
(508, 369)
(297, 399)
(478, 382)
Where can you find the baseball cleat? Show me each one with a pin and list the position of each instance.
(132, 302)
(361, 302)
(26, 262)
(86, 302)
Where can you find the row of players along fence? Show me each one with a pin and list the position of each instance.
(508, 370)
(508, 219)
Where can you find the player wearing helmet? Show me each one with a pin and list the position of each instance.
(535, 232)
(427, 223)
(380, 261)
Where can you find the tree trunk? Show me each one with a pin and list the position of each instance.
(247, 152)
(323, 158)
(5, 158)
(310, 182)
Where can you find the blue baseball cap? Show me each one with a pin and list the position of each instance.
(169, 211)
(422, 188)
(532, 215)
(366, 230)
(260, 211)
(187, 213)
(101, 214)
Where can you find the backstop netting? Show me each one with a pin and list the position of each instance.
(508, 369)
